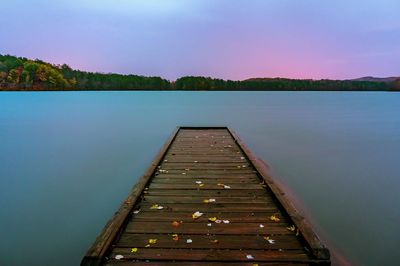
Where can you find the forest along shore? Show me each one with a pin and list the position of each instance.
(23, 74)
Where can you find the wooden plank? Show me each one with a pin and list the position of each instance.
(207, 193)
(202, 241)
(200, 200)
(113, 262)
(233, 217)
(202, 228)
(206, 180)
(210, 254)
(208, 185)
(217, 207)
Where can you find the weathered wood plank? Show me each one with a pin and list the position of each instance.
(113, 262)
(202, 228)
(210, 254)
(198, 200)
(217, 207)
(208, 193)
(244, 217)
(207, 186)
(203, 241)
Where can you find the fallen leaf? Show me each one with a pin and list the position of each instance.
(156, 207)
(175, 237)
(212, 219)
(226, 221)
(201, 185)
(209, 224)
(197, 214)
(118, 257)
(189, 241)
(152, 240)
(291, 228)
(249, 257)
(209, 200)
(271, 241)
(136, 212)
(147, 246)
(261, 226)
(198, 182)
(175, 223)
(274, 218)
(227, 187)
(215, 241)
(218, 221)
(134, 250)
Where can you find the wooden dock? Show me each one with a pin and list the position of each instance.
(206, 200)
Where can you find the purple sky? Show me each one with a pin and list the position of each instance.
(231, 39)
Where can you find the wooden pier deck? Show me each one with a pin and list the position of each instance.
(206, 200)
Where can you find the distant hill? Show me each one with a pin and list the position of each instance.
(374, 79)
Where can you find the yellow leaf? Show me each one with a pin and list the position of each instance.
(152, 241)
(154, 206)
(291, 228)
(175, 237)
(201, 185)
(206, 201)
(134, 250)
(196, 215)
(148, 245)
(212, 219)
(274, 218)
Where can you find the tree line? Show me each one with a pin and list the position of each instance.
(19, 73)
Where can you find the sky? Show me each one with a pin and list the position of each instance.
(230, 39)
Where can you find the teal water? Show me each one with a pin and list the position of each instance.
(67, 160)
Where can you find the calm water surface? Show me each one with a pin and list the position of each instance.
(67, 160)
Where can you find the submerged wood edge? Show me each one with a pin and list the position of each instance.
(96, 253)
(317, 248)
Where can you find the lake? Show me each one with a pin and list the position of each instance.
(68, 159)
